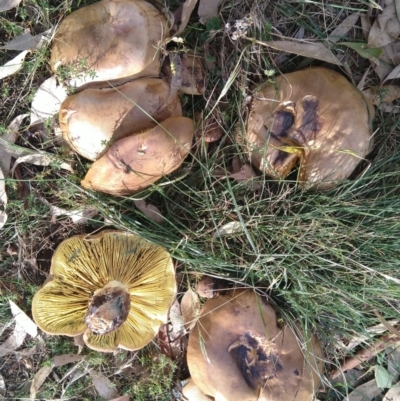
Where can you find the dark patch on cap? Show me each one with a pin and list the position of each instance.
(283, 120)
(296, 372)
(280, 158)
(256, 358)
(310, 122)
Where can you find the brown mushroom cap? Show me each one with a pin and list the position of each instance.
(90, 120)
(116, 39)
(237, 352)
(137, 161)
(124, 272)
(314, 117)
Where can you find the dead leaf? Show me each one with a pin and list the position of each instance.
(393, 75)
(313, 50)
(13, 342)
(39, 378)
(187, 10)
(3, 200)
(232, 227)
(388, 60)
(6, 5)
(393, 361)
(365, 392)
(382, 94)
(386, 28)
(393, 393)
(40, 159)
(103, 385)
(2, 386)
(9, 136)
(190, 307)
(23, 320)
(26, 41)
(61, 360)
(122, 398)
(365, 25)
(343, 28)
(47, 100)
(176, 319)
(79, 216)
(208, 9)
(206, 287)
(12, 66)
(151, 211)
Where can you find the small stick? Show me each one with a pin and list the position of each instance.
(366, 354)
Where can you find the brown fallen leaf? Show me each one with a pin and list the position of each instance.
(365, 392)
(344, 28)
(393, 393)
(208, 9)
(187, 10)
(26, 41)
(190, 307)
(207, 287)
(61, 360)
(393, 75)
(209, 130)
(386, 28)
(23, 320)
(313, 50)
(103, 386)
(6, 5)
(151, 211)
(39, 378)
(382, 94)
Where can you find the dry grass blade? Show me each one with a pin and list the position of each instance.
(313, 50)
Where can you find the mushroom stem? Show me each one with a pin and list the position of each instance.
(108, 308)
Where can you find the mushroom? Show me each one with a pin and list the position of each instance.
(114, 39)
(94, 118)
(114, 287)
(237, 352)
(186, 70)
(314, 118)
(137, 161)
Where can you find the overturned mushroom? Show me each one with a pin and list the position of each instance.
(135, 162)
(114, 287)
(313, 118)
(93, 119)
(237, 352)
(111, 39)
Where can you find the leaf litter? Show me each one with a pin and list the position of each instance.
(13, 66)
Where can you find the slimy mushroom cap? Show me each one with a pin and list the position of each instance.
(313, 118)
(115, 39)
(237, 352)
(113, 286)
(94, 118)
(137, 161)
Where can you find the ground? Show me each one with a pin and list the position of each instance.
(328, 260)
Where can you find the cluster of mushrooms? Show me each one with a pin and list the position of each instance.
(124, 117)
(114, 288)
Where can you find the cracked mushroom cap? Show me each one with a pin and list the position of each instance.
(115, 39)
(237, 352)
(137, 161)
(113, 287)
(313, 118)
(94, 118)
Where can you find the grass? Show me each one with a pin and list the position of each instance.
(327, 260)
